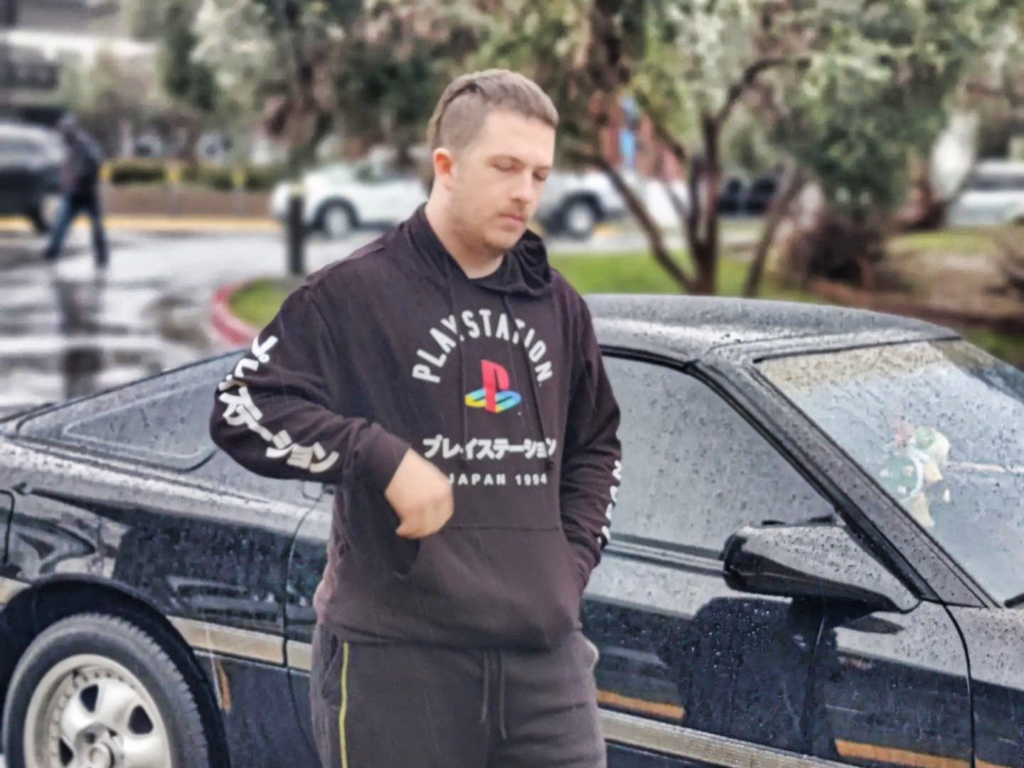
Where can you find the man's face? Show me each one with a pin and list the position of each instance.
(499, 178)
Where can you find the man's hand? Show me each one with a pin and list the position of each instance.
(421, 496)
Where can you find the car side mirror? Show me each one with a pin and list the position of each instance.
(811, 560)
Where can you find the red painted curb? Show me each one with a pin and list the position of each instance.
(229, 329)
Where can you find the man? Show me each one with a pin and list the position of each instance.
(80, 187)
(450, 382)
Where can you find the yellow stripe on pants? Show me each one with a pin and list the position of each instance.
(342, 746)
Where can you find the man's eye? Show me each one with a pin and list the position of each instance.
(540, 176)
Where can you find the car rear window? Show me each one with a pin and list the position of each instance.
(162, 421)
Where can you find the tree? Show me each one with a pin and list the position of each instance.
(183, 77)
(107, 94)
(867, 104)
(845, 88)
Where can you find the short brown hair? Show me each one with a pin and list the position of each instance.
(469, 98)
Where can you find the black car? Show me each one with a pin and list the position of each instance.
(30, 160)
(817, 558)
(737, 197)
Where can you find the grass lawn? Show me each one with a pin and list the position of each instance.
(969, 240)
(628, 272)
(637, 272)
(257, 302)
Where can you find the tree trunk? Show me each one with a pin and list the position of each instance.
(705, 251)
(838, 247)
(793, 182)
(655, 238)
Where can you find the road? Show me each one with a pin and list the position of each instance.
(64, 333)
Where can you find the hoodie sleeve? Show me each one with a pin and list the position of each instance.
(276, 412)
(591, 461)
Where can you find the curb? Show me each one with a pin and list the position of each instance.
(228, 329)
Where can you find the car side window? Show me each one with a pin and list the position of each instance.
(694, 470)
(163, 421)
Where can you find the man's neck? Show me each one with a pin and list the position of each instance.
(475, 261)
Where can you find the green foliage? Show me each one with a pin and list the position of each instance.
(184, 78)
(104, 94)
(137, 171)
(222, 178)
(256, 178)
(879, 89)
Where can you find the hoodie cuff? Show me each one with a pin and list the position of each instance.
(381, 457)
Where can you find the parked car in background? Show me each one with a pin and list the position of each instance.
(760, 195)
(994, 195)
(741, 198)
(817, 558)
(732, 195)
(341, 197)
(576, 202)
(30, 161)
(374, 192)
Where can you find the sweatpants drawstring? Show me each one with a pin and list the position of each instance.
(487, 685)
(500, 669)
(501, 697)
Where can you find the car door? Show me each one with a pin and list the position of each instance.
(689, 668)
(17, 178)
(714, 676)
(306, 564)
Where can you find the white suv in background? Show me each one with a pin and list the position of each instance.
(373, 192)
(574, 203)
(994, 195)
(342, 196)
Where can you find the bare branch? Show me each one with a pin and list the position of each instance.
(749, 77)
(636, 206)
(675, 146)
(794, 179)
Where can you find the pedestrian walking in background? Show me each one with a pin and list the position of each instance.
(80, 191)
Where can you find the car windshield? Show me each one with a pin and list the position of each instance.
(940, 425)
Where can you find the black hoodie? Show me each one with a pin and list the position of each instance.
(498, 381)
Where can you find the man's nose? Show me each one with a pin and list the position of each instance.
(524, 189)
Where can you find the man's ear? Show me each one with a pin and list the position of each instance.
(444, 168)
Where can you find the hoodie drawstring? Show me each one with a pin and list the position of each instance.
(535, 394)
(500, 669)
(463, 421)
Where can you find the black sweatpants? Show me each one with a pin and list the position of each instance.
(418, 706)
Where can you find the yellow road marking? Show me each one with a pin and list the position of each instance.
(658, 709)
(161, 224)
(852, 749)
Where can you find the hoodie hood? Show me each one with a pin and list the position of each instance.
(523, 271)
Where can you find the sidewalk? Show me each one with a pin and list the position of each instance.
(173, 224)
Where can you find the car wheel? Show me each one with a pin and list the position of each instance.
(97, 690)
(337, 220)
(579, 219)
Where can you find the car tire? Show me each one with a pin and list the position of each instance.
(104, 685)
(336, 220)
(579, 219)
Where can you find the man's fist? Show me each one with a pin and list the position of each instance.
(421, 497)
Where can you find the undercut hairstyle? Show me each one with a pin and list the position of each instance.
(467, 101)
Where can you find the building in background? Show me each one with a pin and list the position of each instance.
(43, 36)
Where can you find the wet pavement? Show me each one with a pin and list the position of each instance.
(66, 332)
